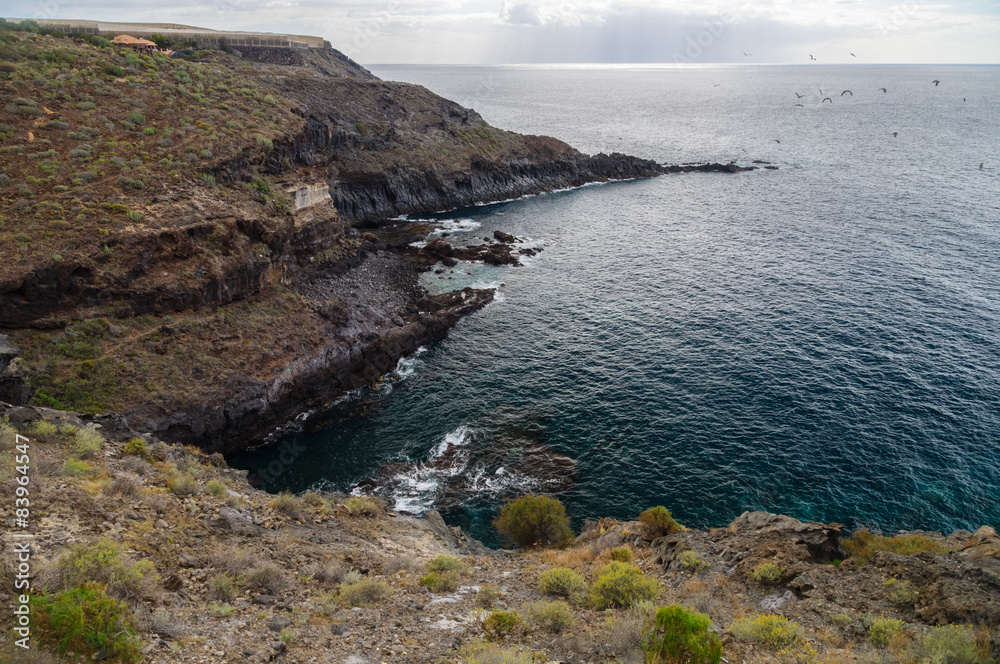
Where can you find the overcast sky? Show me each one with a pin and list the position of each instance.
(474, 32)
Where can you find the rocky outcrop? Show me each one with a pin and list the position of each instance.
(245, 410)
(13, 372)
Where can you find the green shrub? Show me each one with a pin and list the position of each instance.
(775, 632)
(182, 485)
(113, 70)
(149, 131)
(862, 545)
(499, 624)
(692, 562)
(208, 178)
(45, 432)
(563, 582)
(658, 522)
(222, 587)
(268, 99)
(442, 582)
(85, 621)
(881, 630)
(88, 443)
(551, 617)
(137, 117)
(73, 467)
(681, 635)
(134, 216)
(364, 592)
(622, 585)
(215, 488)
(362, 506)
(446, 564)
(130, 183)
(767, 574)
(532, 520)
(136, 447)
(622, 554)
(900, 592)
(954, 644)
(106, 564)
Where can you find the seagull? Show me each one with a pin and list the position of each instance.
(895, 134)
(716, 85)
(846, 92)
(981, 165)
(777, 141)
(935, 82)
(800, 105)
(882, 89)
(811, 57)
(742, 148)
(799, 96)
(852, 55)
(746, 54)
(827, 99)
(963, 98)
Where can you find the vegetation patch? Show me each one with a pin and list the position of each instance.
(862, 545)
(534, 520)
(620, 585)
(681, 635)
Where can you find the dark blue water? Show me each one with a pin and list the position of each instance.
(821, 341)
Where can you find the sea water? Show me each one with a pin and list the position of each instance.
(821, 340)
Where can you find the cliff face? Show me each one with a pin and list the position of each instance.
(180, 236)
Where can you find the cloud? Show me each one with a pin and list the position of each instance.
(486, 31)
(521, 13)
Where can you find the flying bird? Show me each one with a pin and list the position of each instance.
(742, 148)
(963, 98)
(716, 85)
(777, 141)
(746, 54)
(827, 99)
(895, 134)
(800, 105)
(811, 57)
(799, 96)
(846, 92)
(852, 55)
(882, 89)
(935, 82)
(981, 165)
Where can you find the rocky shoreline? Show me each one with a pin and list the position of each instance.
(215, 305)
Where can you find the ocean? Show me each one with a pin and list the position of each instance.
(821, 340)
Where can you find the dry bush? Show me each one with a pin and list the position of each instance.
(164, 624)
(267, 577)
(325, 573)
(288, 504)
(398, 564)
(233, 561)
(574, 557)
(124, 487)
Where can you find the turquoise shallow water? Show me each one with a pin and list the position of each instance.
(822, 340)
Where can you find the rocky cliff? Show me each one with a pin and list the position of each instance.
(178, 235)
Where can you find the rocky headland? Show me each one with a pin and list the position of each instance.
(205, 244)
